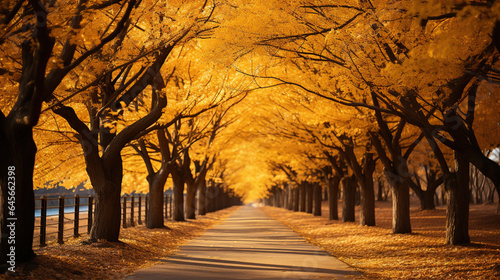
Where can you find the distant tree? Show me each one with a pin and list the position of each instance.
(40, 50)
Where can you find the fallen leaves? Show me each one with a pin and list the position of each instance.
(138, 247)
(379, 254)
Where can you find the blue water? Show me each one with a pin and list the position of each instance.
(55, 211)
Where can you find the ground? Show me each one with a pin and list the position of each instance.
(139, 247)
(375, 251)
(379, 254)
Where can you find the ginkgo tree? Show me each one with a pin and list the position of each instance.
(39, 50)
(122, 84)
(369, 54)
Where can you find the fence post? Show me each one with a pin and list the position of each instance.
(139, 204)
(43, 222)
(60, 233)
(132, 212)
(77, 216)
(124, 212)
(146, 208)
(170, 197)
(91, 216)
(166, 206)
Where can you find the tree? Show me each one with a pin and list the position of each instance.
(107, 98)
(376, 59)
(43, 66)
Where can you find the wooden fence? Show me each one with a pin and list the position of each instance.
(58, 220)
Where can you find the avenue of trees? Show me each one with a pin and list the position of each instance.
(252, 98)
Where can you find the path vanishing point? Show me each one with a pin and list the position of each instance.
(248, 245)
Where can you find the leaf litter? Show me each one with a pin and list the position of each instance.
(379, 254)
(139, 247)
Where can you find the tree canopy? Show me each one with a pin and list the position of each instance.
(250, 94)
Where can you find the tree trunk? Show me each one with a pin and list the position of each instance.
(107, 184)
(421, 198)
(367, 197)
(178, 207)
(380, 193)
(107, 213)
(491, 195)
(155, 201)
(333, 189)
(285, 197)
(309, 198)
(290, 197)
(296, 199)
(219, 198)
(429, 200)
(400, 207)
(302, 194)
(276, 197)
(210, 198)
(317, 199)
(202, 200)
(348, 199)
(190, 206)
(427, 197)
(457, 210)
(443, 195)
(17, 156)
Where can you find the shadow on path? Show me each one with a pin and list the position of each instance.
(248, 245)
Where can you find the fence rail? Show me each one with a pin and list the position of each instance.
(59, 220)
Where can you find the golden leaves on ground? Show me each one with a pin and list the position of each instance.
(138, 247)
(379, 254)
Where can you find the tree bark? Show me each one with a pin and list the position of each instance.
(190, 206)
(400, 207)
(296, 199)
(317, 199)
(427, 199)
(178, 199)
(202, 198)
(309, 198)
(396, 172)
(290, 197)
(219, 197)
(466, 144)
(348, 198)
(18, 156)
(367, 192)
(367, 213)
(155, 208)
(302, 198)
(17, 146)
(156, 180)
(333, 189)
(380, 193)
(210, 197)
(284, 199)
(457, 210)
(106, 180)
(107, 213)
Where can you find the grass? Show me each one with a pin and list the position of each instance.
(379, 254)
(139, 247)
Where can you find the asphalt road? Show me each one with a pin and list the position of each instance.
(248, 245)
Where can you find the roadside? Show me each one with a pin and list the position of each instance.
(379, 254)
(247, 245)
(139, 247)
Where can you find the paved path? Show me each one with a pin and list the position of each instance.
(248, 245)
